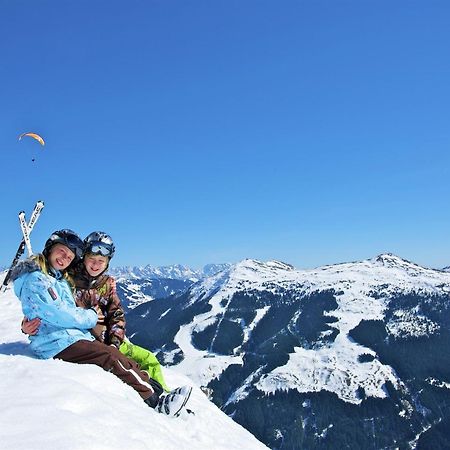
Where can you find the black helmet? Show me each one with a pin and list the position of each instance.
(68, 238)
(99, 243)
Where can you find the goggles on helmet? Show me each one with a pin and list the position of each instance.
(75, 244)
(99, 248)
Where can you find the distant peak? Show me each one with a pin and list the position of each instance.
(280, 265)
(390, 260)
(254, 264)
(387, 257)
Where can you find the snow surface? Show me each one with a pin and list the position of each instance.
(56, 405)
(335, 367)
(409, 322)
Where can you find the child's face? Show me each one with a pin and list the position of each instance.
(60, 257)
(95, 264)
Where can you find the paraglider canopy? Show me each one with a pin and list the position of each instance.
(34, 136)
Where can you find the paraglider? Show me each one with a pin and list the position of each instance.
(34, 136)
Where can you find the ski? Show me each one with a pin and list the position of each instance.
(25, 232)
(34, 217)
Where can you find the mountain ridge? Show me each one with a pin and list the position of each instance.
(175, 271)
(261, 330)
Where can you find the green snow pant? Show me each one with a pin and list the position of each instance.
(146, 359)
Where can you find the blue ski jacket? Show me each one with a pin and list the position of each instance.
(51, 299)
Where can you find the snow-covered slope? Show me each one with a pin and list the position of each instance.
(335, 366)
(136, 291)
(138, 285)
(51, 404)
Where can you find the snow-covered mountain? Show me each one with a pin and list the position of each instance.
(173, 272)
(51, 404)
(137, 285)
(293, 354)
(135, 291)
(177, 272)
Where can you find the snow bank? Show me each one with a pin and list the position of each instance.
(52, 404)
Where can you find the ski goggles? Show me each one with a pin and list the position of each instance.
(75, 246)
(99, 248)
(69, 239)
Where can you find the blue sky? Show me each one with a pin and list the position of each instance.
(312, 132)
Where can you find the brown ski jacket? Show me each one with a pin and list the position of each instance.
(97, 293)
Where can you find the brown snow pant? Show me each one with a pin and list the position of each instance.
(111, 360)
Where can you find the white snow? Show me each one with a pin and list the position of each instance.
(134, 294)
(242, 392)
(438, 383)
(260, 313)
(56, 405)
(411, 323)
